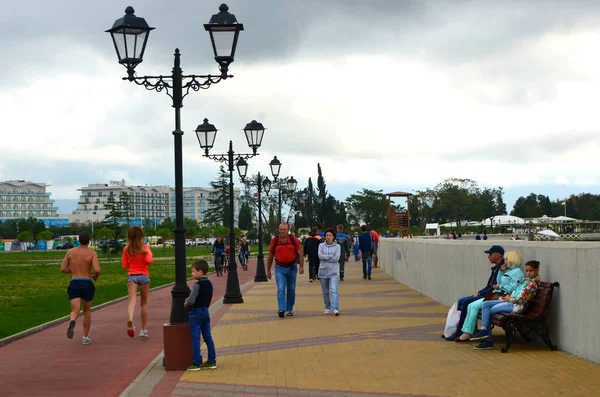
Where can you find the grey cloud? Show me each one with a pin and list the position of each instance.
(448, 32)
(526, 148)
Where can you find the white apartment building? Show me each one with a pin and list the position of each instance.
(24, 199)
(147, 202)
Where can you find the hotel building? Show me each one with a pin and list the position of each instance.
(146, 202)
(24, 199)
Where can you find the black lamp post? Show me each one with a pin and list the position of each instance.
(130, 36)
(206, 137)
(260, 184)
(287, 187)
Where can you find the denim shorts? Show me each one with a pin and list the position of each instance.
(139, 279)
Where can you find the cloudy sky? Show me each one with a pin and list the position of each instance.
(385, 94)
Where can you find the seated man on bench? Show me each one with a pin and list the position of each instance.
(496, 257)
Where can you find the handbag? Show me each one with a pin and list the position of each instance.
(494, 296)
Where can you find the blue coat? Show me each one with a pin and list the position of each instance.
(364, 242)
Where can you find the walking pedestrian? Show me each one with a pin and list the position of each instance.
(311, 250)
(329, 273)
(79, 262)
(137, 256)
(356, 247)
(365, 242)
(286, 251)
(345, 244)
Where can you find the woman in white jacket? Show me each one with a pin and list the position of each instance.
(329, 272)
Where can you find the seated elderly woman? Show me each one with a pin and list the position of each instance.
(509, 277)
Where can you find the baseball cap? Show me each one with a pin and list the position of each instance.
(495, 249)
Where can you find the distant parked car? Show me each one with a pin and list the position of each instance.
(65, 246)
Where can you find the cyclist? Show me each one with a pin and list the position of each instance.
(218, 249)
(225, 260)
(244, 252)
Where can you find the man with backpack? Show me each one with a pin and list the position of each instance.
(286, 250)
(345, 244)
(311, 250)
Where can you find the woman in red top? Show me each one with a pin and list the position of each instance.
(136, 257)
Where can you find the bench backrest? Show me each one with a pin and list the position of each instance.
(540, 304)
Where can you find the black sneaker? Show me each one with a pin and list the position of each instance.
(369, 277)
(364, 277)
(70, 329)
(281, 313)
(341, 278)
(453, 336)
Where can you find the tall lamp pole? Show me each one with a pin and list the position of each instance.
(206, 137)
(289, 186)
(261, 274)
(263, 184)
(130, 36)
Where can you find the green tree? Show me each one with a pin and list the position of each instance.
(167, 223)
(368, 206)
(8, 229)
(148, 223)
(218, 202)
(103, 233)
(125, 204)
(34, 225)
(205, 232)
(165, 234)
(457, 198)
(245, 217)
(114, 213)
(191, 227)
(25, 236)
(310, 205)
(532, 206)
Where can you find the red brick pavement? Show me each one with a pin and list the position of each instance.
(48, 364)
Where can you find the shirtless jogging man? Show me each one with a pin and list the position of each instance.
(79, 262)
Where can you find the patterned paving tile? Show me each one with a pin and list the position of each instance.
(386, 343)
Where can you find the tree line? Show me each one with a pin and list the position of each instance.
(452, 200)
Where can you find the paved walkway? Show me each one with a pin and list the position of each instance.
(385, 342)
(48, 364)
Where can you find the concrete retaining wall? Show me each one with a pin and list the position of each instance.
(448, 269)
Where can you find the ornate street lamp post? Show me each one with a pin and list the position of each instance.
(260, 184)
(206, 137)
(130, 36)
(287, 187)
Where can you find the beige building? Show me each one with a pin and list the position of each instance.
(147, 202)
(24, 199)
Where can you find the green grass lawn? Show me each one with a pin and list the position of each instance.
(32, 293)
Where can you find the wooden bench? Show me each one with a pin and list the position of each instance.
(533, 319)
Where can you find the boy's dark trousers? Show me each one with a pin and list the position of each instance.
(313, 267)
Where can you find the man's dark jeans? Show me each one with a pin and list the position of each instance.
(313, 267)
(462, 305)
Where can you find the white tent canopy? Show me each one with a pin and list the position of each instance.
(564, 219)
(504, 220)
